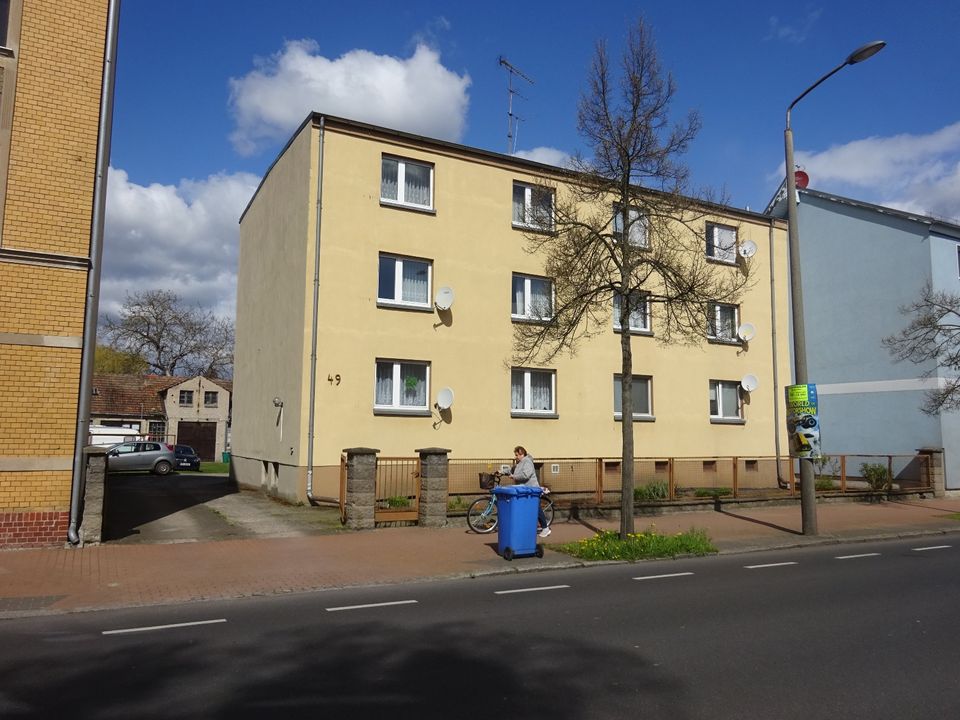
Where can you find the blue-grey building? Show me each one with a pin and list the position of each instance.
(860, 264)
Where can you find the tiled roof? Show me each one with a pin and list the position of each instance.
(130, 394)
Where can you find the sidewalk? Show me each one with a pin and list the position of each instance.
(36, 582)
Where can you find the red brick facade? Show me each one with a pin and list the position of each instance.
(33, 529)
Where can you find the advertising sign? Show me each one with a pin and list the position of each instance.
(803, 421)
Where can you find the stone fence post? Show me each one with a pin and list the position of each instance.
(935, 460)
(94, 487)
(361, 487)
(434, 469)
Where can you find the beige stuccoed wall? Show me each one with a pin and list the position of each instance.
(272, 327)
(474, 250)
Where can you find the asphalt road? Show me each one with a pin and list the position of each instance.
(842, 631)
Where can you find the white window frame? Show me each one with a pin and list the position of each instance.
(637, 379)
(397, 300)
(396, 406)
(722, 413)
(714, 311)
(529, 221)
(526, 410)
(637, 236)
(644, 329)
(401, 200)
(528, 310)
(715, 250)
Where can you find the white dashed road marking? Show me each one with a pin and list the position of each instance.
(532, 589)
(768, 565)
(163, 627)
(662, 577)
(932, 547)
(854, 557)
(371, 605)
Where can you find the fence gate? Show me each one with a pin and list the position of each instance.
(397, 494)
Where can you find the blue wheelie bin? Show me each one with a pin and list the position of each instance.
(517, 507)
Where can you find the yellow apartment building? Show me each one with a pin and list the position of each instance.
(379, 280)
(52, 73)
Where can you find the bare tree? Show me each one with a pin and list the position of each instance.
(171, 336)
(932, 336)
(625, 231)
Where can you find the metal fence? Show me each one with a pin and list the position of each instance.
(597, 480)
(397, 494)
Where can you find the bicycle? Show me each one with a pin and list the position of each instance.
(482, 513)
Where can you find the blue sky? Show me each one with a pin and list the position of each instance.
(208, 91)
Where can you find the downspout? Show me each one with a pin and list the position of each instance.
(104, 135)
(311, 421)
(773, 336)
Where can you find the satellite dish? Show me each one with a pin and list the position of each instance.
(445, 398)
(746, 332)
(749, 383)
(444, 298)
(748, 248)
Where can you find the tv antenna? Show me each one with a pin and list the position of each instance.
(513, 121)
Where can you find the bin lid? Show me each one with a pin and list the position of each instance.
(518, 490)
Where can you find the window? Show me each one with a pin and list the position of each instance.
(4, 21)
(639, 311)
(406, 182)
(725, 400)
(641, 396)
(404, 281)
(637, 233)
(402, 385)
(532, 206)
(532, 298)
(210, 398)
(722, 242)
(532, 391)
(186, 398)
(722, 322)
(157, 430)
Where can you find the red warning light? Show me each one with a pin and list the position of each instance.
(802, 179)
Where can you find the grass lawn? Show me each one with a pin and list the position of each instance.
(215, 468)
(639, 546)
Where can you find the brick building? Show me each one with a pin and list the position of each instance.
(52, 67)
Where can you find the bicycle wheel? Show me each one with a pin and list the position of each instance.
(546, 504)
(482, 515)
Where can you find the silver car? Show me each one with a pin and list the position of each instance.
(156, 457)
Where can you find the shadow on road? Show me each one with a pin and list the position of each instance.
(133, 501)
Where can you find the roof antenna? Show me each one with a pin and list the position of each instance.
(513, 121)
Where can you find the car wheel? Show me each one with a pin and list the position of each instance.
(162, 468)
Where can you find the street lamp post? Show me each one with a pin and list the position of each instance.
(808, 497)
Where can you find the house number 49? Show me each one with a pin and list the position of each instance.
(333, 379)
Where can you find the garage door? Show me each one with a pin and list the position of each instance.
(201, 436)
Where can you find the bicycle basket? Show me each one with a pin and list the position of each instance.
(487, 481)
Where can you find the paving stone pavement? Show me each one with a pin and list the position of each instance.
(111, 575)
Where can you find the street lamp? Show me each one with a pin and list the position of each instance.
(808, 498)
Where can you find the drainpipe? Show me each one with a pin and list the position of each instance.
(773, 335)
(104, 134)
(312, 400)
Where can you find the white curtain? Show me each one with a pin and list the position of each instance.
(516, 390)
(388, 179)
(541, 298)
(415, 281)
(519, 204)
(416, 186)
(518, 305)
(384, 388)
(541, 395)
(730, 399)
(728, 321)
(413, 389)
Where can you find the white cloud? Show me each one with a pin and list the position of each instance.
(793, 32)
(417, 94)
(917, 173)
(181, 238)
(545, 155)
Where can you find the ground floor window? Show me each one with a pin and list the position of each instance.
(402, 385)
(640, 391)
(725, 400)
(533, 391)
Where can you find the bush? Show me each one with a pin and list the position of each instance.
(398, 501)
(656, 490)
(825, 483)
(456, 504)
(713, 492)
(876, 476)
(607, 545)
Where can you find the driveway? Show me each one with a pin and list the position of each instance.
(193, 507)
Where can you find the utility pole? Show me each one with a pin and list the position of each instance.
(512, 120)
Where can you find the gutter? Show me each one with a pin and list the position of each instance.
(104, 136)
(773, 338)
(312, 398)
